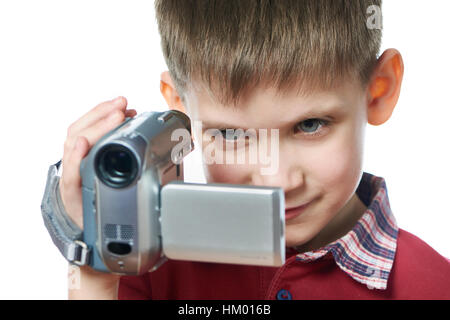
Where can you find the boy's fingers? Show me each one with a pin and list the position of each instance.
(98, 130)
(130, 113)
(102, 110)
(71, 165)
(70, 187)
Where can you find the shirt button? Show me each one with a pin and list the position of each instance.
(284, 295)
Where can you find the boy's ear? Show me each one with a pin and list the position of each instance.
(170, 94)
(384, 87)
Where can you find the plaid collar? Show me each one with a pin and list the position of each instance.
(366, 253)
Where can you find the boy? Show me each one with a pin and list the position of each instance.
(310, 70)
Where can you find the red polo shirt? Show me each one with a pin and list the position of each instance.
(375, 260)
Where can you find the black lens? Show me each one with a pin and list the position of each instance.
(116, 166)
(118, 163)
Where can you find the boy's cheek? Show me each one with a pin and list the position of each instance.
(222, 167)
(339, 169)
(224, 173)
(214, 173)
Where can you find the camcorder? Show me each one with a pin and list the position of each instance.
(138, 211)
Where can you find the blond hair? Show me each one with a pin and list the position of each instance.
(231, 46)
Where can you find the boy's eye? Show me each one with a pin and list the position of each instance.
(310, 126)
(232, 135)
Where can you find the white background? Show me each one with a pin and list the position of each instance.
(58, 59)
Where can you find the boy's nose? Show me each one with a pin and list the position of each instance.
(288, 178)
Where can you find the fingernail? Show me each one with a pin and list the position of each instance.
(117, 99)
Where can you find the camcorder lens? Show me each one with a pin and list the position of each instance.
(116, 166)
(118, 162)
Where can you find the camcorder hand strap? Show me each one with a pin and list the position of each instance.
(66, 235)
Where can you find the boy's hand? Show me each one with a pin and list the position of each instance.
(81, 136)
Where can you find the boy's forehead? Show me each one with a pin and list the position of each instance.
(264, 105)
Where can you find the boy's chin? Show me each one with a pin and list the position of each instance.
(296, 238)
(292, 243)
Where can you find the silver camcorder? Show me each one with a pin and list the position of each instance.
(138, 211)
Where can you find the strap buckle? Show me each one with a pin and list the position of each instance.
(66, 235)
(78, 253)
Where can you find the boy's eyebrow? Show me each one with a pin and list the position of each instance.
(217, 125)
(332, 109)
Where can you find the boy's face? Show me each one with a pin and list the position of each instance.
(319, 160)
